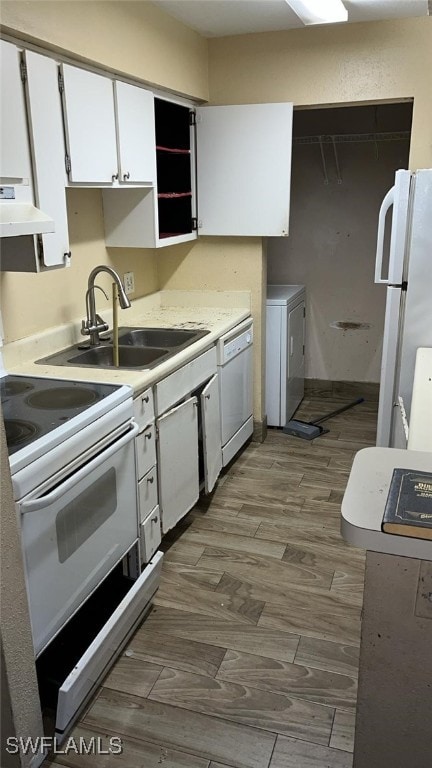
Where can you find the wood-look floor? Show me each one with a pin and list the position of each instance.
(249, 656)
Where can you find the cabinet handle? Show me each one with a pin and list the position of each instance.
(148, 436)
(126, 176)
(114, 177)
(155, 519)
(207, 397)
(150, 479)
(146, 399)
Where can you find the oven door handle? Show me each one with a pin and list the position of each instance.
(50, 498)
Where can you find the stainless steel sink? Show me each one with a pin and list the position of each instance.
(138, 348)
(102, 357)
(129, 357)
(159, 337)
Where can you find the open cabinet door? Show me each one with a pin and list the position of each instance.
(211, 426)
(244, 169)
(177, 453)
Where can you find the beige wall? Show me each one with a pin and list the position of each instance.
(32, 302)
(338, 64)
(133, 38)
(216, 263)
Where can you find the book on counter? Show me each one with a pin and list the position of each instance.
(408, 510)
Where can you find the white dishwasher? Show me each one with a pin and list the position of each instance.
(235, 368)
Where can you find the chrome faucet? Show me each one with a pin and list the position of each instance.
(94, 325)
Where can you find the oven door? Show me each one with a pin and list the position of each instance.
(75, 528)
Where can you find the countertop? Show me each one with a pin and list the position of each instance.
(216, 311)
(365, 497)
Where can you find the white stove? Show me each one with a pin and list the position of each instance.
(72, 456)
(40, 414)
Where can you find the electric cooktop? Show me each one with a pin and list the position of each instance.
(35, 406)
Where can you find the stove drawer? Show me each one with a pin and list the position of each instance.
(73, 664)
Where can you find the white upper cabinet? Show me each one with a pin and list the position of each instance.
(244, 169)
(136, 134)
(90, 126)
(32, 160)
(243, 172)
(46, 131)
(107, 145)
(15, 164)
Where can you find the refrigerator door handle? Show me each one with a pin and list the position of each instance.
(399, 198)
(385, 206)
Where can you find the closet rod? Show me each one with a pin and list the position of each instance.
(352, 137)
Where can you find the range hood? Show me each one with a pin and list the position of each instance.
(19, 218)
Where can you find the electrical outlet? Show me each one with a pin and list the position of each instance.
(129, 282)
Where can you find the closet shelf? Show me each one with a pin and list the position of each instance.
(347, 138)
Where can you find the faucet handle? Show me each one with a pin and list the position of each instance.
(85, 329)
(101, 325)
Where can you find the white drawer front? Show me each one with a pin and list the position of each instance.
(145, 451)
(144, 409)
(147, 493)
(171, 390)
(150, 535)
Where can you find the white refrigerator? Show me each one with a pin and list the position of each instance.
(404, 264)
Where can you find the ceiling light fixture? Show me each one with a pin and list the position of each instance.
(319, 11)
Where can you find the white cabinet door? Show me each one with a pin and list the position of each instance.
(14, 146)
(90, 126)
(46, 130)
(136, 134)
(244, 169)
(177, 451)
(211, 427)
(150, 535)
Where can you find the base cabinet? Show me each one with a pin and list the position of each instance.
(150, 535)
(211, 433)
(177, 450)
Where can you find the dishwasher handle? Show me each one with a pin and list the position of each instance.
(34, 505)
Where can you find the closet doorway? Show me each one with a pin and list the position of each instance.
(344, 161)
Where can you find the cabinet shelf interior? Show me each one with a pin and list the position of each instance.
(173, 163)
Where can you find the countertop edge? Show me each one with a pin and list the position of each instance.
(364, 501)
(222, 319)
